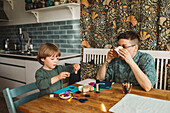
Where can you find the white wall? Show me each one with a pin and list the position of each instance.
(19, 16)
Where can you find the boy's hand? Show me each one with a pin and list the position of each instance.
(63, 75)
(76, 67)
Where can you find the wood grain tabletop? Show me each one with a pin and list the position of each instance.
(108, 98)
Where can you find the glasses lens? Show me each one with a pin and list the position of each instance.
(129, 46)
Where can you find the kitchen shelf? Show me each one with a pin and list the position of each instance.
(70, 6)
(11, 3)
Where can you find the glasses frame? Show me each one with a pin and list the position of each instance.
(129, 46)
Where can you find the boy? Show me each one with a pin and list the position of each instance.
(50, 76)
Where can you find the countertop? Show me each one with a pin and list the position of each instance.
(26, 57)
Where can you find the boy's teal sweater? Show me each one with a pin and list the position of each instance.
(43, 79)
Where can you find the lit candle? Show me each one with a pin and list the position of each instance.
(103, 108)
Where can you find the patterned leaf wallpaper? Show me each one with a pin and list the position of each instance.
(103, 20)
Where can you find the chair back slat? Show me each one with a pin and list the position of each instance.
(26, 99)
(161, 73)
(97, 59)
(92, 57)
(9, 101)
(23, 89)
(100, 59)
(87, 56)
(165, 80)
(103, 59)
(157, 70)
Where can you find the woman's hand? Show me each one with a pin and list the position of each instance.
(111, 54)
(125, 55)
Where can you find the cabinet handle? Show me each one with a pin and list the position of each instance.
(13, 80)
(12, 65)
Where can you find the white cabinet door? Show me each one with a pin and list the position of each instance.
(5, 83)
(13, 69)
(12, 61)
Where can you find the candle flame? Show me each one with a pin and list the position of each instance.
(103, 108)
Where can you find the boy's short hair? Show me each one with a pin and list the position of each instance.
(47, 50)
(130, 35)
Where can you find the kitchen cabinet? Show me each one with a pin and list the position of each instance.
(13, 69)
(16, 71)
(7, 83)
(12, 73)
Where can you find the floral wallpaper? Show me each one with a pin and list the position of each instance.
(103, 20)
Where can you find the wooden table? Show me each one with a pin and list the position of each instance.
(109, 98)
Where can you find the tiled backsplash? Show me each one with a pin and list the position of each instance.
(65, 34)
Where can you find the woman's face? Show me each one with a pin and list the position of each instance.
(129, 45)
(50, 62)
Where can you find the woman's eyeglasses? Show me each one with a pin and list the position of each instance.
(127, 46)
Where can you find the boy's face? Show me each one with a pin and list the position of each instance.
(50, 62)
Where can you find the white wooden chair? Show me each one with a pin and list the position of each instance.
(161, 58)
(99, 55)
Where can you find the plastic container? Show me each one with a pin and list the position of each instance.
(97, 86)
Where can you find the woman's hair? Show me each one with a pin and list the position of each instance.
(130, 35)
(47, 50)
